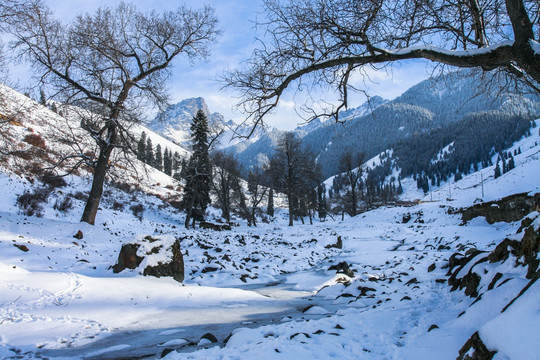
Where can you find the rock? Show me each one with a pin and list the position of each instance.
(364, 290)
(412, 281)
(128, 258)
(212, 226)
(480, 351)
(431, 267)
(342, 268)
(165, 352)
(210, 337)
(209, 269)
(432, 327)
(503, 250)
(132, 255)
(530, 247)
(174, 268)
(406, 218)
(78, 235)
(22, 247)
(337, 245)
(509, 209)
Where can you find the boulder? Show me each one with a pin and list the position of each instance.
(160, 256)
(212, 226)
(479, 349)
(509, 209)
(173, 268)
(342, 268)
(128, 258)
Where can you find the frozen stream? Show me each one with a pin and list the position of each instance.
(285, 303)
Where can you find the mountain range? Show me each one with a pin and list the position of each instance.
(370, 128)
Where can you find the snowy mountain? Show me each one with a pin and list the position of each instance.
(375, 125)
(174, 124)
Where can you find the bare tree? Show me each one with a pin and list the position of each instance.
(226, 177)
(293, 171)
(325, 42)
(112, 63)
(351, 164)
(256, 192)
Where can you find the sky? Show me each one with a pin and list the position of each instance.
(238, 39)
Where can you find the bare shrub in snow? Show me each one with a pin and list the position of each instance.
(31, 202)
(63, 205)
(137, 210)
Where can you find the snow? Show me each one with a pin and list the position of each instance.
(535, 45)
(268, 287)
(457, 53)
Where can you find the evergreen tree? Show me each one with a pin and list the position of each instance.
(141, 147)
(167, 162)
(149, 156)
(158, 162)
(198, 172)
(42, 97)
(511, 164)
(270, 206)
(497, 171)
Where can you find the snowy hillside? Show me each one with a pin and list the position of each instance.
(428, 281)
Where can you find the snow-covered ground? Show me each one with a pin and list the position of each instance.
(269, 286)
(263, 292)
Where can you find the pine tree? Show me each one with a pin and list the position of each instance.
(42, 97)
(270, 207)
(141, 147)
(497, 171)
(158, 161)
(167, 162)
(511, 164)
(198, 172)
(149, 156)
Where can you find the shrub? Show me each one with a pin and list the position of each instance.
(35, 140)
(31, 202)
(118, 206)
(79, 195)
(63, 205)
(137, 210)
(53, 181)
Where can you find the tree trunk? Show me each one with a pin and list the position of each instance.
(100, 170)
(289, 198)
(189, 211)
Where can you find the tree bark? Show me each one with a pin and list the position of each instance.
(289, 198)
(94, 197)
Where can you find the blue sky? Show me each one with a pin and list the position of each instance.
(237, 18)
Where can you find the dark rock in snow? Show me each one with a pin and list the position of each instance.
(165, 352)
(174, 268)
(132, 255)
(508, 209)
(337, 245)
(431, 267)
(128, 258)
(209, 269)
(480, 351)
(342, 268)
(432, 327)
(22, 247)
(212, 226)
(210, 337)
